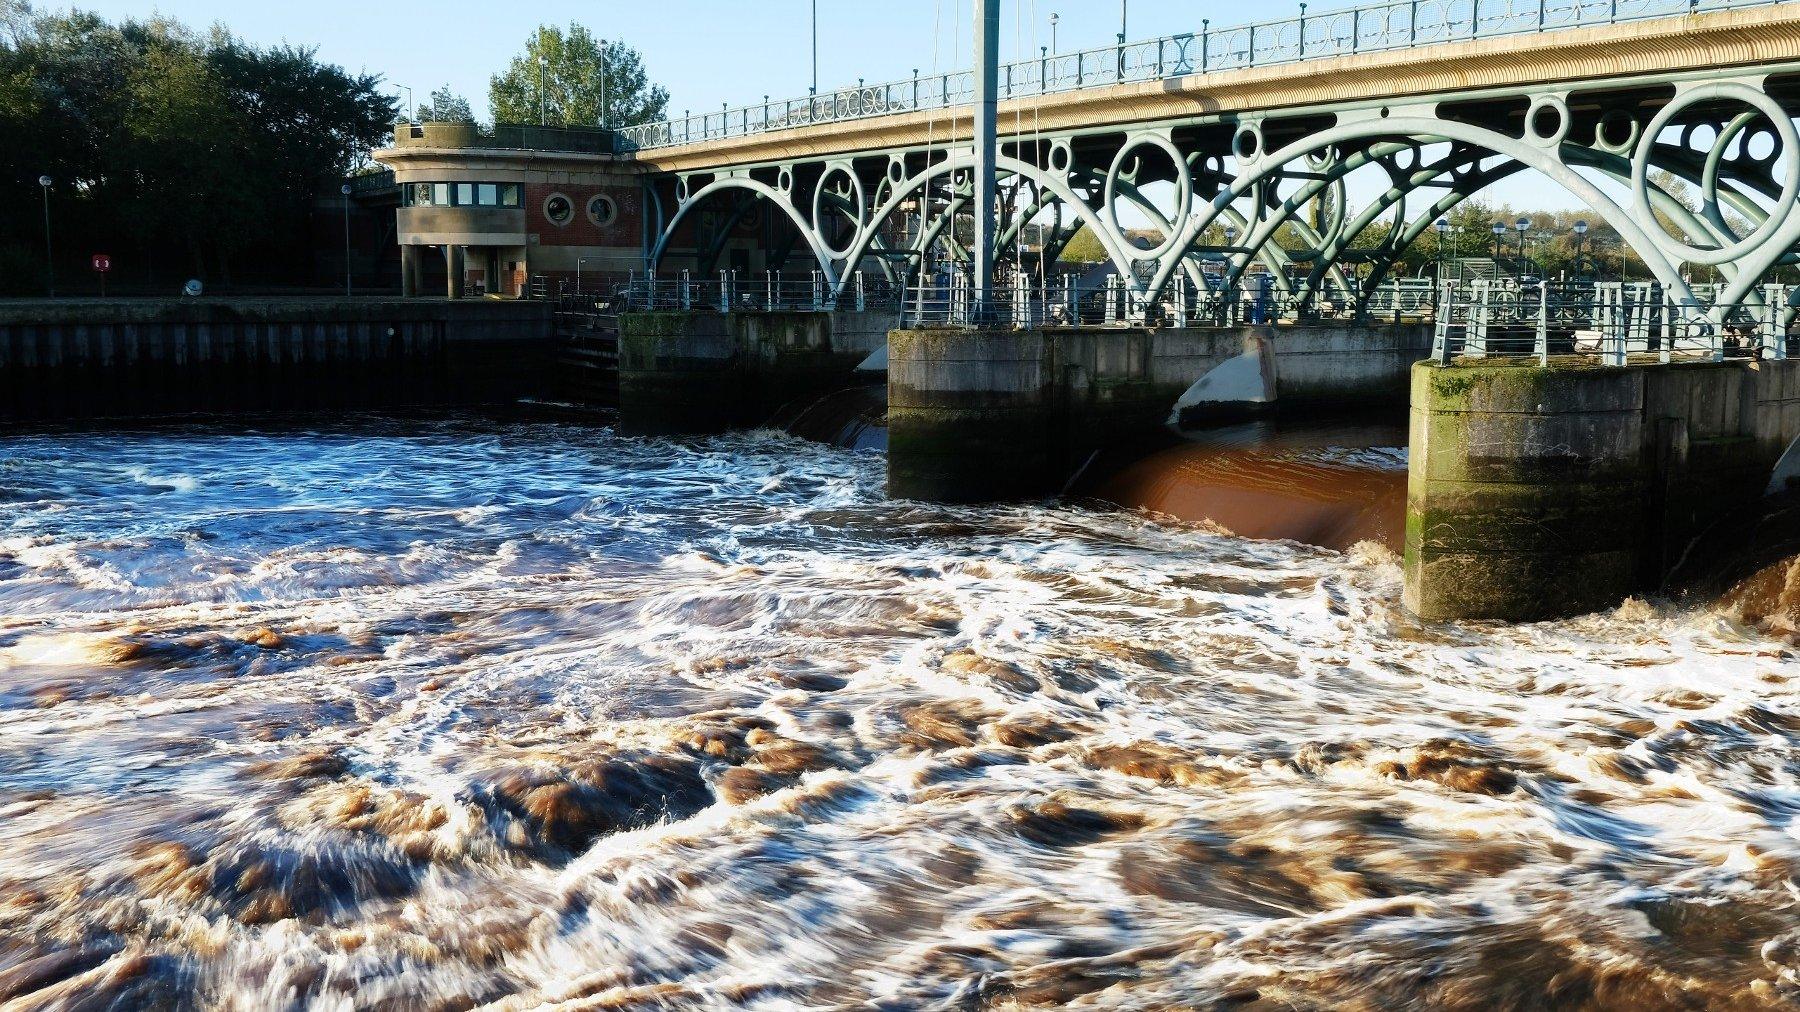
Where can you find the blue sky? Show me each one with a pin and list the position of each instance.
(704, 51)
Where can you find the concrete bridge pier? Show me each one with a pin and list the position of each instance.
(1543, 492)
(704, 371)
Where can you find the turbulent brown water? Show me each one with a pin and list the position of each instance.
(407, 715)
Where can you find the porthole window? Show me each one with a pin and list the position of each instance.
(602, 210)
(558, 209)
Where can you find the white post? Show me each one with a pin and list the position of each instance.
(687, 295)
(818, 294)
(862, 295)
(1475, 339)
(1774, 334)
(1543, 323)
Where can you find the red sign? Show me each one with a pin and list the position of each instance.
(102, 263)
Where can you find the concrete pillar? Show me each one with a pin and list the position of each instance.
(973, 416)
(1525, 490)
(409, 271)
(453, 265)
(706, 371)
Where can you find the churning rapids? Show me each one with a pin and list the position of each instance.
(455, 714)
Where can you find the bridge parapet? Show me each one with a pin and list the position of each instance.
(1372, 28)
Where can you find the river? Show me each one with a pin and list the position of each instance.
(446, 714)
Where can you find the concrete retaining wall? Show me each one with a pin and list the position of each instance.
(1542, 492)
(124, 358)
(694, 372)
(978, 416)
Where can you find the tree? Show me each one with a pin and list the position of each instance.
(576, 69)
(169, 146)
(1085, 248)
(446, 106)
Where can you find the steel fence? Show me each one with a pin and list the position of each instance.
(1381, 27)
(1025, 302)
(1611, 321)
(732, 291)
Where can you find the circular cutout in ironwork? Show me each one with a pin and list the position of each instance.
(1060, 156)
(1617, 131)
(1133, 153)
(1547, 121)
(838, 205)
(1758, 245)
(1247, 142)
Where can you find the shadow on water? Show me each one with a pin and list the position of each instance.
(1331, 481)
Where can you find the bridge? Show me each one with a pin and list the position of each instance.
(1258, 128)
(1253, 189)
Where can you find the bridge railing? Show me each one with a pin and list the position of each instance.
(1025, 302)
(732, 291)
(1610, 321)
(1380, 27)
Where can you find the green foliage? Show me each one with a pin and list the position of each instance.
(1084, 248)
(168, 148)
(574, 66)
(446, 106)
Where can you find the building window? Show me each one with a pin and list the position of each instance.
(602, 210)
(462, 195)
(558, 209)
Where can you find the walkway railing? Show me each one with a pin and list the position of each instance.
(730, 291)
(1382, 27)
(1068, 302)
(1612, 321)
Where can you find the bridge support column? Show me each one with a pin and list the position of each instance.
(701, 372)
(1542, 492)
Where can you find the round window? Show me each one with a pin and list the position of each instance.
(558, 209)
(602, 210)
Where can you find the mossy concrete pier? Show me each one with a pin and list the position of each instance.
(992, 415)
(1541, 492)
(700, 372)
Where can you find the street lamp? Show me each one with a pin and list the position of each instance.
(815, 46)
(1522, 226)
(345, 191)
(1499, 230)
(1581, 228)
(579, 263)
(1054, 18)
(1443, 231)
(49, 260)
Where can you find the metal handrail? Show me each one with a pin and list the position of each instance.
(1381, 27)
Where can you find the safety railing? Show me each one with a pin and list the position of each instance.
(1611, 321)
(1381, 27)
(732, 291)
(1026, 302)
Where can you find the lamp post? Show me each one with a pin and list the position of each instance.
(580, 262)
(1581, 228)
(344, 190)
(1054, 19)
(1522, 226)
(49, 259)
(543, 69)
(815, 47)
(1499, 230)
